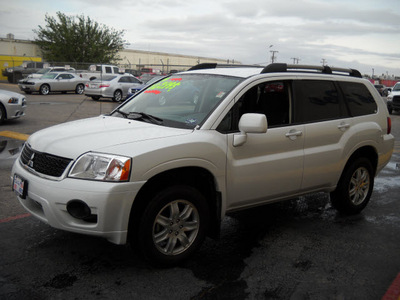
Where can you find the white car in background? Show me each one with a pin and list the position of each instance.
(12, 105)
(393, 99)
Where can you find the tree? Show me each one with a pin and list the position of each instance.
(78, 39)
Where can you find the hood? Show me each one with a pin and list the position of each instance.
(72, 139)
(9, 94)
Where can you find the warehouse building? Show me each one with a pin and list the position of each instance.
(15, 52)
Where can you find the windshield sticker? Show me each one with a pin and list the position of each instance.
(191, 121)
(167, 84)
(220, 94)
(152, 92)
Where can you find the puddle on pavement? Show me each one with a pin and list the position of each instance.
(9, 149)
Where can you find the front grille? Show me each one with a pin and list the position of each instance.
(43, 163)
(396, 99)
(27, 83)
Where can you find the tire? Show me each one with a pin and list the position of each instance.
(96, 97)
(44, 89)
(80, 88)
(3, 114)
(117, 96)
(354, 188)
(173, 226)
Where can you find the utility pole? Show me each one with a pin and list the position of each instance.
(295, 60)
(273, 55)
(324, 62)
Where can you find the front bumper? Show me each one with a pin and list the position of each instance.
(15, 111)
(28, 88)
(110, 202)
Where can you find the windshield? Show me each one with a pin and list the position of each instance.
(43, 71)
(182, 101)
(49, 75)
(396, 87)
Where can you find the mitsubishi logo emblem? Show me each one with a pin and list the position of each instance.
(30, 162)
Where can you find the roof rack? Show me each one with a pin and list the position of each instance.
(215, 66)
(280, 67)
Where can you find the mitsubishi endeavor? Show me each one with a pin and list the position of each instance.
(167, 165)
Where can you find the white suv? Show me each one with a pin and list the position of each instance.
(164, 167)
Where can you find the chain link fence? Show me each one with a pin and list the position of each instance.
(15, 70)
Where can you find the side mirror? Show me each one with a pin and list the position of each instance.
(250, 123)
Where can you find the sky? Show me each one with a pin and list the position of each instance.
(358, 34)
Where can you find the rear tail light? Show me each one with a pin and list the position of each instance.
(104, 85)
(389, 125)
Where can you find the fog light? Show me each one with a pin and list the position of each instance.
(78, 209)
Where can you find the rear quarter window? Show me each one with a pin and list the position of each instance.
(358, 98)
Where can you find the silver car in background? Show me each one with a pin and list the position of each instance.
(12, 105)
(115, 87)
(53, 82)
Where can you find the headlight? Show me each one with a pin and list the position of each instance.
(104, 167)
(13, 100)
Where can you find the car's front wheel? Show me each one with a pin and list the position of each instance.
(355, 187)
(173, 225)
(44, 89)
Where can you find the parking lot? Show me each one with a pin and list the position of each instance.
(298, 249)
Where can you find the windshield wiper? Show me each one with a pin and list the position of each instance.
(122, 113)
(144, 117)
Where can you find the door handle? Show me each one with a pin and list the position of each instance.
(293, 134)
(343, 126)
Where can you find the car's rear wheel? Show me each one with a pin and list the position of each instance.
(80, 88)
(355, 187)
(173, 225)
(117, 95)
(44, 89)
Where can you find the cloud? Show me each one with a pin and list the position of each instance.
(359, 33)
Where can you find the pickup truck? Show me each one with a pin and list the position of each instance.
(14, 74)
(96, 71)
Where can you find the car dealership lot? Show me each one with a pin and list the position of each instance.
(301, 248)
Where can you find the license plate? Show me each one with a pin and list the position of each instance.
(20, 186)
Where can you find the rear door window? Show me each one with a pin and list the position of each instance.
(317, 100)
